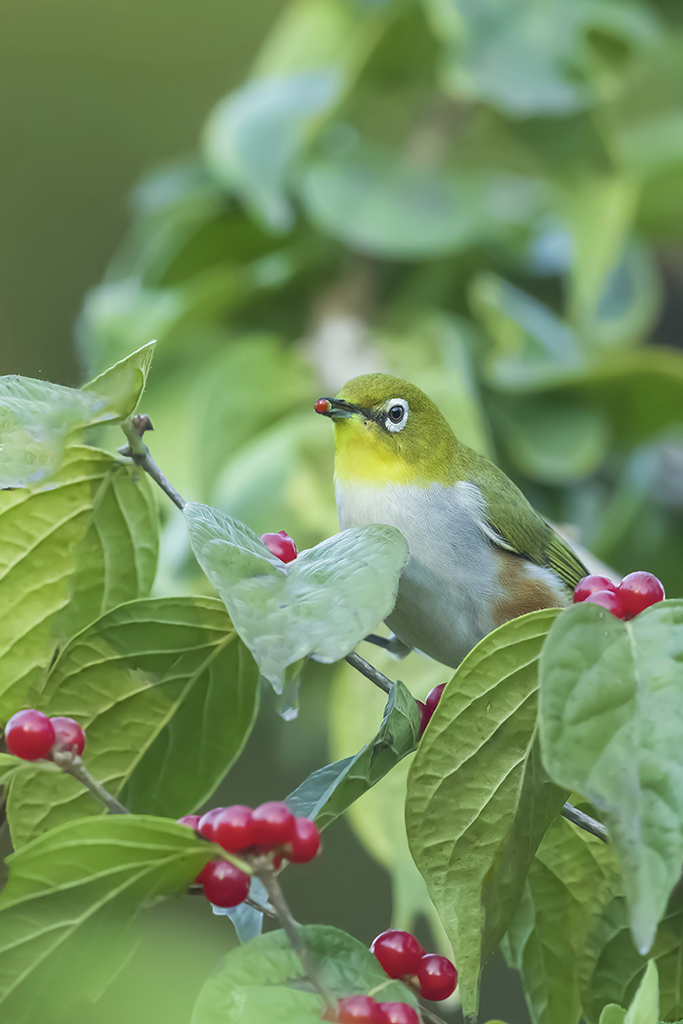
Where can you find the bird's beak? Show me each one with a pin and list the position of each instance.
(336, 408)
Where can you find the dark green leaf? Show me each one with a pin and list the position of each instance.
(149, 682)
(572, 877)
(320, 606)
(70, 551)
(329, 791)
(610, 692)
(478, 801)
(258, 983)
(73, 890)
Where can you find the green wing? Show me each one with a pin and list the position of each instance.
(512, 523)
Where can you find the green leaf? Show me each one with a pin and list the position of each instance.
(645, 1007)
(10, 766)
(320, 606)
(149, 681)
(327, 793)
(257, 983)
(611, 969)
(572, 877)
(37, 419)
(613, 1014)
(609, 726)
(75, 889)
(377, 204)
(254, 135)
(478, 802)
(123, 383)
(70, 550)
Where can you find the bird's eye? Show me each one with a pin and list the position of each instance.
(396, 415)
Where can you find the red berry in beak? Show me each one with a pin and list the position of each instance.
(322, 406)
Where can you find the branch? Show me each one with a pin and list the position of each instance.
(136, 449)
(370, 672)
(584, 821)
(284, 915)
(72, 764)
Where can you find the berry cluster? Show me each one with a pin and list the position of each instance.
(270, 830)
(31, 735)
(634, 594)
(428, 708)
(402, 956)
(364, 1010)
(281, 545)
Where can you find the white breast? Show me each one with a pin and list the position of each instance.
(449, 585)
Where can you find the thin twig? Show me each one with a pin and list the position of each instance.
(72, 764)
(137, 450)
(284, 915)
(430, 1015)
(263, 908)
(370, 672)
(584, 821)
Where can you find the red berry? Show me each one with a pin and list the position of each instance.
(68, 731)
(206, 821)
(323, 405)
(191, 820)
(233, 828)
(281, 545)
(638, 591)
(608, 599)
(30, 735)
(224, 884)
(437, 977)
(398, 952)
(305, 844)
(399, 1013)
(591, 585)
(433, 698)
(424, 715)
(360, 1010)
(273, 824)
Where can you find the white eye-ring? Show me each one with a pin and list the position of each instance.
(396, 415)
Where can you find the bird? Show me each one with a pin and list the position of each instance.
(479, 554)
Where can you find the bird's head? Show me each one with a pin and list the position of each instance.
(388, 431)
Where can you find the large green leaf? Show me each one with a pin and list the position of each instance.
(478, 801)
(71, 894)
(167, 695)
(69, 551)
(610, 694)
(572, 877)
(611, 969)
(327, 793)
(254, 135)
(38, 418)
(378, 204)
(320, 606)
(258, 983)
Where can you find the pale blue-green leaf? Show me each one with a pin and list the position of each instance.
(246, 920)
(319, 606)
(609, 725)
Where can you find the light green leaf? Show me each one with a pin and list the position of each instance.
(609, 726)
(65, 910)
(11, 766)
(645, 1007)
(254, 135)
(37, 419)
(320, 606)
(478, 801)
(258, 981)
(327, 793)
(70, 550)
(145, 681)
(572, 877)
(123, 383)
(377, 204)
(613, 1014)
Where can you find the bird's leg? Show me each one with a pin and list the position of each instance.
(392, 644)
